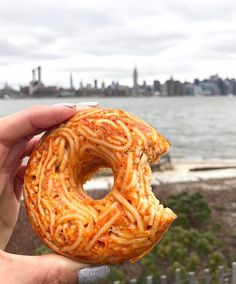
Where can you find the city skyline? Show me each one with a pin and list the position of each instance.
(106, 39)
(214, 85)
(71, 79)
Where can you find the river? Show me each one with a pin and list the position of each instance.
(199, 128)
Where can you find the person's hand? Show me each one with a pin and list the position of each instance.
(47, 269)
(17, 141)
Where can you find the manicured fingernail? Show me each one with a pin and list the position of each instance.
(88, 104)
(85, 105)
(90, 274)
(70, 105)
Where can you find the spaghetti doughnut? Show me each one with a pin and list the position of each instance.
(129, 220)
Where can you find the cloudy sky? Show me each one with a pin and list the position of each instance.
(105, 39)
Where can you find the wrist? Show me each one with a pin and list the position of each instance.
(4, 266)
(13, 269)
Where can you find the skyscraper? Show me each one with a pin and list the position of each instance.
(135, 78)
(95, 84)
(81, 85)
(135, 81)
(71, 82)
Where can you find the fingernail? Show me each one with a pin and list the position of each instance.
(70, 105)
(85, 105)
(88, 104)
(90, 274)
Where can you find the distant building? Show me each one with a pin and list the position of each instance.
(156, 87)
(88, 86)
(9, 92)
(233, 84)
(229, 86)
(71, 82)
(36, 88)
(36, 83)
(213, 86)
(174, 88)
(51, 91)
(170, 87)
(68, 92)
(135, 81)
(189, 89)
(209, 88)
(178, 88)
(95, 84)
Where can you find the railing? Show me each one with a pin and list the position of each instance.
(222, 277)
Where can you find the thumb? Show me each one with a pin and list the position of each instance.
(53, 269)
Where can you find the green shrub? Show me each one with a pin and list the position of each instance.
(192, 209)
(191, 243)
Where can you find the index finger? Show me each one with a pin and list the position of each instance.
(18, 126)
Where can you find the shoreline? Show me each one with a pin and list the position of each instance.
(25, 96)
(179, 171)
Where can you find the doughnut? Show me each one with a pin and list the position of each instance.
(123, 225)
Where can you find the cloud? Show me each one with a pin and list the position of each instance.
(132, 44)
(12, 52)
(8, 49)
(59, 18)
(199, 11)
(103, 38)
(220, 44)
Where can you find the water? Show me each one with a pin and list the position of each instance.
(197, 127)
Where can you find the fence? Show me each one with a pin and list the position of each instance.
(222, 277)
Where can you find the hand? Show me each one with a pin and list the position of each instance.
(47, 269)
(17, 140)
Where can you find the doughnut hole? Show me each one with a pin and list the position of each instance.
(99, 182)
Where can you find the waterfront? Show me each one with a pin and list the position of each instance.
(199, 128)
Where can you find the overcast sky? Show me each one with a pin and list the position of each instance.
(105, 39)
